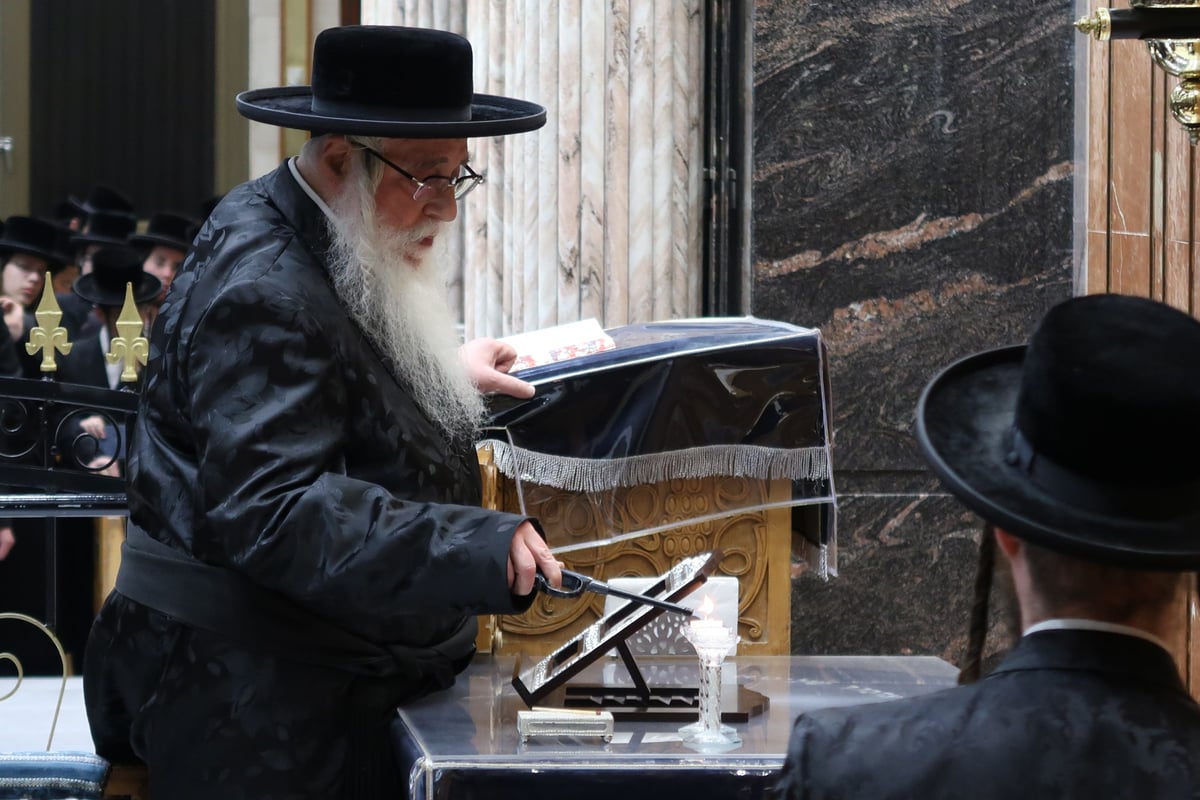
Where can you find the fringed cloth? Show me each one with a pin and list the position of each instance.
(601, 475)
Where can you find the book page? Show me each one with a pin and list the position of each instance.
(559, 343)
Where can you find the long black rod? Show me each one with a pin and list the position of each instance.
(1154, 23)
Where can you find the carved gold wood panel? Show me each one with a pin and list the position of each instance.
(756, 546)
(110, 534)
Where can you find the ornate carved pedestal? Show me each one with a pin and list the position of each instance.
(756, 545)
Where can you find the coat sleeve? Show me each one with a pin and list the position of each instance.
(793, 782)
(269, 414)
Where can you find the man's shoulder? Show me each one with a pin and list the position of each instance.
(254, 237)
(1001, 726)
(869, 722)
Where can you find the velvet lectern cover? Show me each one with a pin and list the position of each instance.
(741, 400)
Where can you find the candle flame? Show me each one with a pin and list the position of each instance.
(705, 609)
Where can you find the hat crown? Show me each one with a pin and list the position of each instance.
(164, 228)
(31, 235)
(104, 199)
(1110, 389)
(115, 265)
(404, 73)
(109, 226)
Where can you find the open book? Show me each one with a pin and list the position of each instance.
(559, 343)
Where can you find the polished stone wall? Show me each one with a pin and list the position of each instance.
(912, 197)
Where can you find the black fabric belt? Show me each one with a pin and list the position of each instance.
(225, 602)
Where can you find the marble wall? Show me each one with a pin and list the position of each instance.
(912, 197)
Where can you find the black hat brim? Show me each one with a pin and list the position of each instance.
(963, 420)
(291, 107)
(154, 240)
(145, 290)
(9, 246)
(81, 239)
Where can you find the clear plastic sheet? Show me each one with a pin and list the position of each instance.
(689, 435)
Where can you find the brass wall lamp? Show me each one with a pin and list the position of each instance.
(1171, 30)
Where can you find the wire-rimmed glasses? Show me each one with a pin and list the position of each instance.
(432, 185)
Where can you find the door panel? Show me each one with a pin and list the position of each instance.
(14, 107)
(122, 95)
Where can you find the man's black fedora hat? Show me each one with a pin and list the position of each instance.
(168, 230)
(112, 268)
(1086, 441)
(105, 229)
(34, 236)
(395, 82)
(103, 199)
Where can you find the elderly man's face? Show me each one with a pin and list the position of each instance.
(423, 158)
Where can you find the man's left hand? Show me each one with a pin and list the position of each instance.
(488, 362)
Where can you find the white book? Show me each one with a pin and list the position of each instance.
(558, 343)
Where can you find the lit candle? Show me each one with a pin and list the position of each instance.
(708, 633)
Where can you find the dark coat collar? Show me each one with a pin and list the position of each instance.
(1127, 657)
(306, 218)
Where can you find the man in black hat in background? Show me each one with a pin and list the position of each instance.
(104, 290)
(1081, 452)
(306, 548)
(101, 229)
(165, 243)
(28, 249)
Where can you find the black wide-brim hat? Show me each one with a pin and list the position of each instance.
(37, 237)
(104, 200)
(166, 230)
(394, 82)
(112, 268)
(1086, 441)
(105, 228)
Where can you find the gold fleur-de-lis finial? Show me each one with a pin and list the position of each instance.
(129, 346)
(48, 336)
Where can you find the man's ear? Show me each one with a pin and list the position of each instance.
(1010, 544)
(325, 162)
(335, 155)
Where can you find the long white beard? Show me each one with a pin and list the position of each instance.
(392, 287)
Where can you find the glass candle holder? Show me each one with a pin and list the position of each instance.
(712, 642)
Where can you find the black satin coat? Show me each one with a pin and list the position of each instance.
(1067, 714)
(272, 439)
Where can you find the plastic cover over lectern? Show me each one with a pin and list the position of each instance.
(682, 400)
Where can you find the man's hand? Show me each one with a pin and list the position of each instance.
(14, 317)
(526, 555)
(6, 541)
(93, 426)
(488, 362)
(105, 465)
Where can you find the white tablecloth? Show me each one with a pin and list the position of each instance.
(26, 716)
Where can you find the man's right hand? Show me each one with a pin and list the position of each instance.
(14, 316)
(6, 541)
(528, 554)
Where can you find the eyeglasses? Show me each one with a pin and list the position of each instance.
(466, 180)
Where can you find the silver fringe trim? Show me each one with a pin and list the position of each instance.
(605, 474)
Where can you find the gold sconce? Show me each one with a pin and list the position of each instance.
(1171, 30)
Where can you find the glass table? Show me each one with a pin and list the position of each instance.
(463, 743)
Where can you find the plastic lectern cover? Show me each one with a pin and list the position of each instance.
(683, 400)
